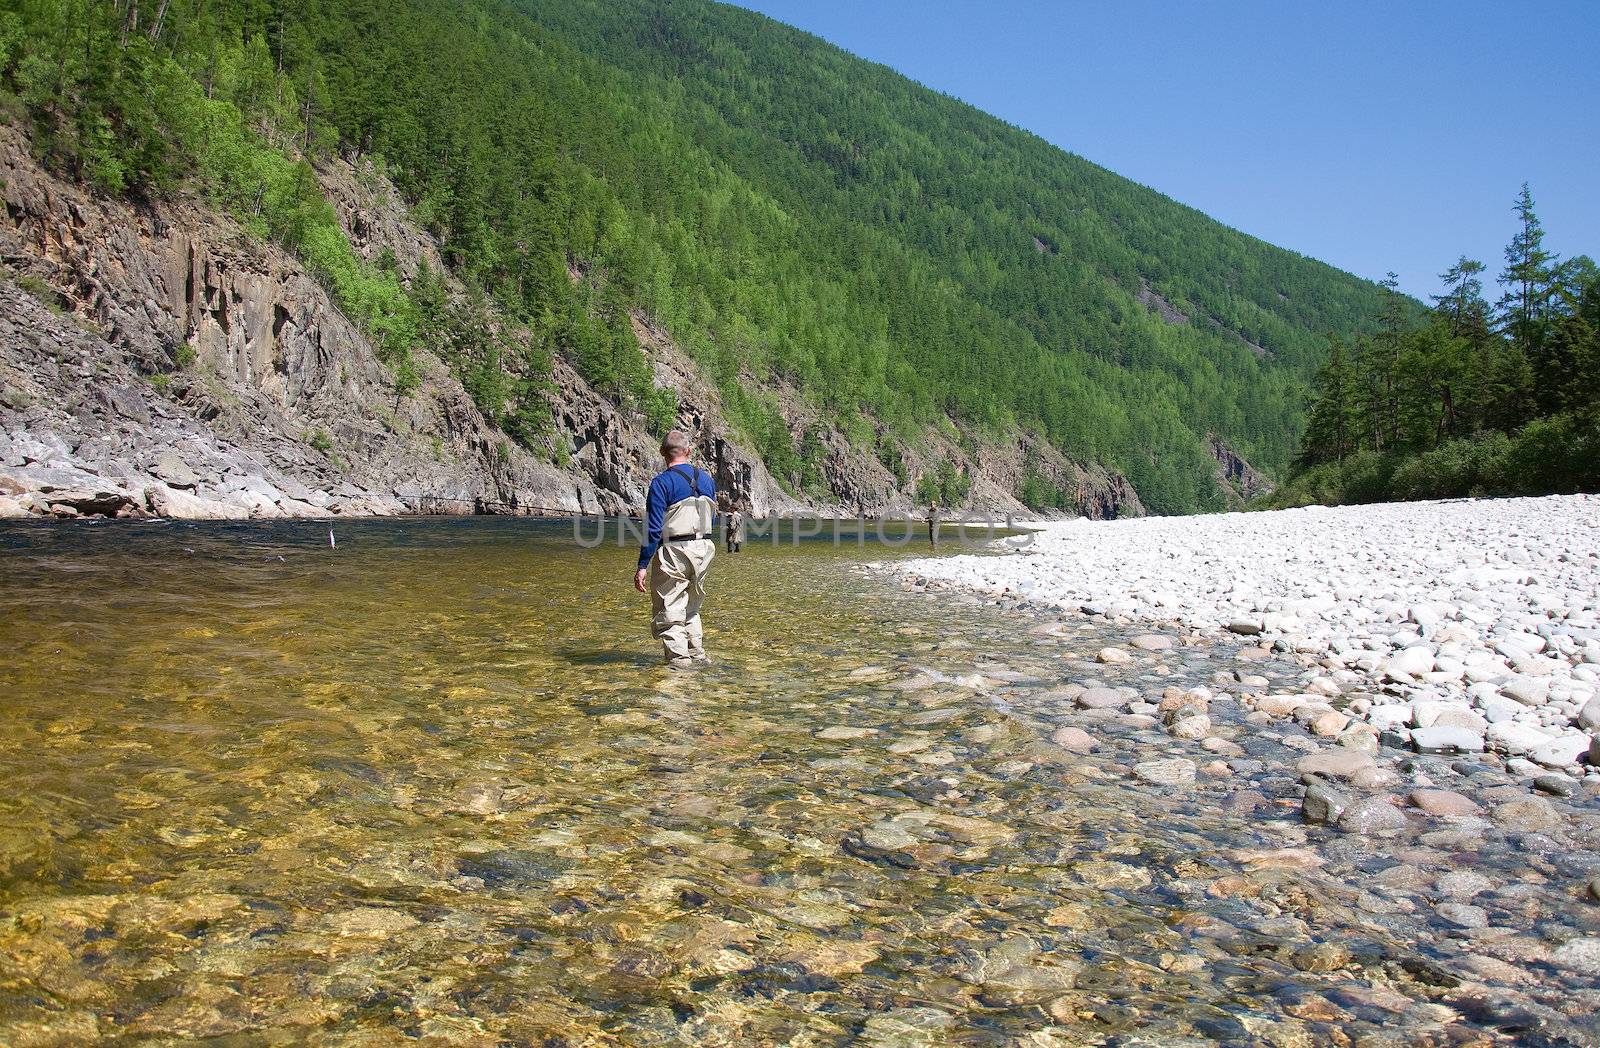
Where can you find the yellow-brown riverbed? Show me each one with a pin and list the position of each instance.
(432, 783)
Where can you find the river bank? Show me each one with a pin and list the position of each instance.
(1462, 627)
(433, 782)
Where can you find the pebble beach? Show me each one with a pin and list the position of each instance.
(1464, 627)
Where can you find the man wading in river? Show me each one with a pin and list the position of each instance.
(677, 551)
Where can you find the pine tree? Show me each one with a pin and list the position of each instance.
(1462, 302)
(1331, 428)
(1378, 361)
(1529, 280)
(1569, 379)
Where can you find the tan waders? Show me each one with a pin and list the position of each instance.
(677, 579)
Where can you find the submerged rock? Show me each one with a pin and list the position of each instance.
(1101, 699)
(1463, 915)
(1442, 802)
(1340, 763)
(369, 922)
(1323, 803)
(841, 732)
(1554, 785)
(478, 799)
(1463, 884)
(1527, 815)
(1371, 815)
(1191, 728)
(1579, 955)
(1074, 739)
(1100, 874)
(1178, 771)
(906, 1026)
(1321, 957)
(510, 868)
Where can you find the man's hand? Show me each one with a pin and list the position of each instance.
(638, 580)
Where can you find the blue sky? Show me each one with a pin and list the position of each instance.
(1374, 136)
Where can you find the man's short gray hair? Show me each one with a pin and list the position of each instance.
(675, 440)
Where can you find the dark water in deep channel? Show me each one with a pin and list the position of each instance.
(433, 783)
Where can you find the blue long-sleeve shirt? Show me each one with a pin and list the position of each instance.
(669, 486)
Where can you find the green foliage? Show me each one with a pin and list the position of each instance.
(661, 408)
(788, 213)
(121, 110)
(945, 484)
(811, 454)
(894, 461)
(1456, 468)
(1472, 400)
(42, 291)
(407, 379)
(1362, 476)
(1559, 454)
(506, 373)
(1040, 494)
(1334, 423)
(320, 440)
(758, 418)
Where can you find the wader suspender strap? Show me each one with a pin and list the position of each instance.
(693, 477)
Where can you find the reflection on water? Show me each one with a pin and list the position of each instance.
(434, 783)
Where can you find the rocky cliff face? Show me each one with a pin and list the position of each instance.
(156, 359)
(1237, 478)
(141, 336)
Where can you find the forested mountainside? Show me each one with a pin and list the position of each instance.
(888, 293)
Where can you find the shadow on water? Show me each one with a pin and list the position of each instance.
(611, 657)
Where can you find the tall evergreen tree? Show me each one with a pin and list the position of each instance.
(1378, 363)
(1529, 279)
(1462, 302)
(1331, 427)
(1569, 373)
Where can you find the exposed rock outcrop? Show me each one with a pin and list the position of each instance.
(175, 333)
(1237, 478)
(1153, 300)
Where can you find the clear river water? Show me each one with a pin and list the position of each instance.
(433, 784)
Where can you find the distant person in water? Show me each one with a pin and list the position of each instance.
(933, 525)
(735, 529)
(677, 551)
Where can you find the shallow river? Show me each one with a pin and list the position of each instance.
(433, 783)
